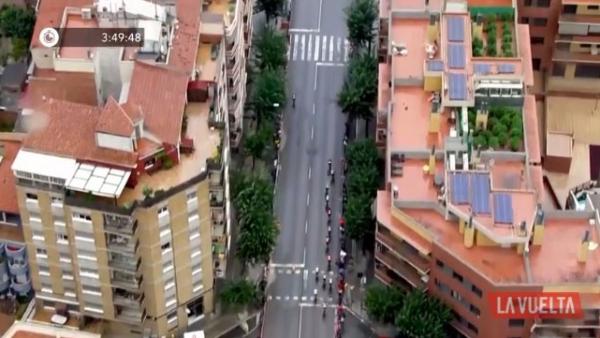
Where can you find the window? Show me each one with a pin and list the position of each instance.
(60, 237)
(558, 69)
(593, 8)
(516, 322)
(165, 246)
(543, 3)
(586, 45)
(474, 310)
(587, 71)
(31, 196)
(527, 2)
(41, 252)
(162, 210)
(536, 63)
(570, 9)
(167, 266)
(536, 40)
(476, 291)
(170, 302)
(540, 22)
(457, 276)
(44, 271)
(455, 295)
(91, 290)
(439, 263)
(191, 195)
(57, 200)
(524, 20)
(83, 217)
(472, 328)
(170, 283)
(172, 317)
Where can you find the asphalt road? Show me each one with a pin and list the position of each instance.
(314, 132)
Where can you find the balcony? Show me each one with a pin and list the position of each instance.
(128, 315)
(4, 284)
(126, 298)
(17, 267)
(57, 209)
(215, 179)
(21, 288)
(120, 243)
(408, 273)
(120, 224)
(216, 199)
(32, 205)
(13, 251)
(125, 280)
(122, 262)
(411, 256)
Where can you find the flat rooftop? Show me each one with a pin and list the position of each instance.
(74, 20)
(412, 34)
(409, 123)
(416, 184)
(206, 142)
(8, 197)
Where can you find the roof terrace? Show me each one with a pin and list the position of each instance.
(410, 34)
(73, 19)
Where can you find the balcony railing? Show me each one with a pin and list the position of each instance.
(120, 243)
(398, 266)
(125, 280)
(128, 315)
(120, 224)
(402, 249)
(123, 264)
(125, 298)
(18, 267)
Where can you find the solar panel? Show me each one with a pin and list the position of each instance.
(435, 65)
(503, 210)
(506, 68)
(456, 55)
(482, 68)
(456, 29)
(480, 188)
(460, 193)
(457, 86)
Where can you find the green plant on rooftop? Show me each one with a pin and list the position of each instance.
(383, 303)
(507, 16)
(423, 316)
(359, 91)
(270, 49)
(360, 21)
(478, 49)
(504, 129)
(147, 191)
(507, 40)
(362, 183)
(271, 7)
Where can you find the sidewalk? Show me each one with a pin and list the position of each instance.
(225, 324)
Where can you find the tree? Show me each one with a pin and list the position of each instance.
(271, 7)
(359, 91)
(17, 22)
(256, 144)
(359, 221)
(256, 193)
(360, 20)
(20, 48)
(383, 303)
(422, 316)
(362, 153)
(269, 94)
(271, 48)
(258, 236)
(238, 294)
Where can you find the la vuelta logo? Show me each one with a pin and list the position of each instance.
(535, 304)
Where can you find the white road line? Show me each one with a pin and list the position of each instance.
(314, 107)
(330, 64)
(294, 55)
(288, 271)
(309, 172)
(346, 49)
(270, 297)
(324, 48)
(312, 132)
(295, 298)
(303, 30)
(306, 226)
(278, 297)
(317, 46)
(331, 42)
(308, 200)
(309, 52)
(320, 10)
(302, 45)
(338, 55)
(303, 298)
(289, 47)
(315, 83)
(298, 271)
(287, 265)
(300, 324)
(304, 256)
(287, 298)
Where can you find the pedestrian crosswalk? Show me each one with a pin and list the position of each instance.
(313, 47)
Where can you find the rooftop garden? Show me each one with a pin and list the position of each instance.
(498, 31)
(504, 129)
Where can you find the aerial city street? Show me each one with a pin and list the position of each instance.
(299, 168)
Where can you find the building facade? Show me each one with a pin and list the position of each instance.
(462, 214)
(122, 178)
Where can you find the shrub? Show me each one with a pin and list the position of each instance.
(502, 139)
(499, 128)
(494, 142)
(491, 48)
(506, 17)
(480, 141)
(477, 47)
(515, 143)
(490, 18)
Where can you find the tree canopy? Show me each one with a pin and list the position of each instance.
(271, 7)
(17, 22)
(360, 20)
(256, 144)
(359, 90)
(268, 96)
(383, 302)
(422, 316)
(238, 294)
(270, 49)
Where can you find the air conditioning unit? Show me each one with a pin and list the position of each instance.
(594, 50)
(86, 13)
(399, 49)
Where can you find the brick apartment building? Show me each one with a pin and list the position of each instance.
(462, 214)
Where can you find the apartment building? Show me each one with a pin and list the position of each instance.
(463, 213)
(122, 178)
(542, 17)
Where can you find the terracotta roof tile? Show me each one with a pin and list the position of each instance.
(161, 92)
(68, 86)
(114, 120)
(8, 197)
(50, 13)
(185, 43)
(69, 130)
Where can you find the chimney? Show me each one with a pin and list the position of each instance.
(432, 161)
(469, 236)
(538, 227)
(582, 255)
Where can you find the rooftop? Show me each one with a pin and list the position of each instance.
(21, 329)
(8, 197)
(411, 34)
(68, 86)
(50, 14)
(74, 20)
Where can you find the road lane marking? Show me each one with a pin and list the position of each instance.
(338, 55)
(306, 227)
(314, 107)
(303, 30)
(309, 52)
(309, 172)
(270, 297)
(317, 45)
(346, 49)
(308, 200)
(289, 47)
(312, 132)
(302, 45)
(315, 83)
(295, 54)
(287, 265)
(287, 298)
(320, 10)
(278, 297)
(295, 298)
(331, 42)
(324, 47)
(288, 272)
(329, 64)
